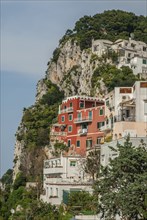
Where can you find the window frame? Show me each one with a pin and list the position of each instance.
(63, 116)
(78, 145)
(69, 141)
(71, 117)
(101, 109)
(69, 126)
(72, 163)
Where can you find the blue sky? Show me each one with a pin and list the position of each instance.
(30, 31)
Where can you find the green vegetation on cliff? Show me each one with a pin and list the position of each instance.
(112, 77)
(110, 25)
(36, 124)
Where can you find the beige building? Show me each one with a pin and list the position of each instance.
(126, 111)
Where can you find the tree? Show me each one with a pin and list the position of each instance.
(122, 188)
(59, 148)
(92, 164)
(81, 201)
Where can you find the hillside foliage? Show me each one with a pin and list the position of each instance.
(110, 25)
(122, 186)
(36, 122)
(112, 76)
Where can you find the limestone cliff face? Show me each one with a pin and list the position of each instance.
(72, 72)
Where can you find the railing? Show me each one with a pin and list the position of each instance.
(120, 118)
(81, 120)
(54, 133)
(106, 127)
(54, 170)
(70, 109)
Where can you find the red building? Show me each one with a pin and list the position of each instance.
(79, 120)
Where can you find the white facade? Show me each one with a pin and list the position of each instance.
(131, 53)
(100, 47)
(107, 153)
(63, 174)
(126, 111)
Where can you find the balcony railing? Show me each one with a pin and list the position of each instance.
(54, 170)
(82, 120)
(123, 118)
(67, 110)
(106, 127)
(82, 131)
(54, 133)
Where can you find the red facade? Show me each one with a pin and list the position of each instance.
(78, 123)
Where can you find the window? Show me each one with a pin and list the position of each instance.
(101, 111)
(102, 157)
(89, 143)
(98, 141)
(129, 54)
(144, 61)
(72, 163)
(57, 192)
(62, 118)
(68, 143)
(70, 117)
(90, 115)
(70, 128)
(144, 49)
(107, 102)
(70, 104)
(51, 191)
(79, 115)
(100, 124)
(107, 121)
(145, 107)
(78, 143)
(81, 104)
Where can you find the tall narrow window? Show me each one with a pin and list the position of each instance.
(79, 115)
(90, 115)
(101, 111)
(63, 118)
(51, 191)
(89, 143)
(145, 107)
(78, 143)
(68, 143)
(57, 192)
(70, 117)
(70, 128)
(81, 104)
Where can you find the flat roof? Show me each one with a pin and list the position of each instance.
(89, 98)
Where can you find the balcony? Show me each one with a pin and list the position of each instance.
(123, 118)
(82, 131)
(106, 127)
(82, 120)
(54, 133)
(67, 110)
(54, 170)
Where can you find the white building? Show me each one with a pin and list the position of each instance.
(107, 153)
(131, 53)
(101, 47)
(61, 176)
(126, 111)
